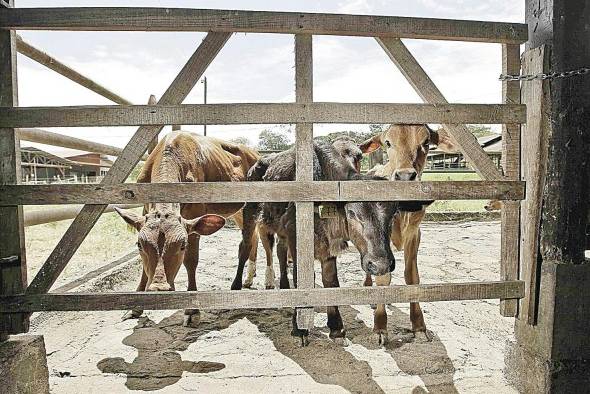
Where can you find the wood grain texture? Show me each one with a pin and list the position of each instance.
(56, 214)
(135, 149)
(182, 19)
(262, 298)
(263, 113)
(134, 193)
(13, 262)
(304, 172)
(53, 64)
(510, 215)
(55, 139)
(427, 90)
(535, 95)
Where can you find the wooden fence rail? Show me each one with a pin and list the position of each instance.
(265, 113)
(183, 19)
(228, 299)
(208, 192)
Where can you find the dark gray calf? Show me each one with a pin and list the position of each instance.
(366, 224)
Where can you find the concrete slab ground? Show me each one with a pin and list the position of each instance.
(248, 351)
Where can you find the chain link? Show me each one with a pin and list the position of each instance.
(530, 77)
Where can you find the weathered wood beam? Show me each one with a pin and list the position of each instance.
(133, 193)
(13, 262)
(81, 226)
(304, 172)
(264, 113)
(53, 64)
(205, 20)
(283, 298)
(534, 170)
(510, 215)
(56, 214)
(427, 90)
(65, 141)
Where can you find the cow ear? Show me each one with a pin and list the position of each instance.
(133, 219)
(372, 144)
(443, 141)
(205, 225)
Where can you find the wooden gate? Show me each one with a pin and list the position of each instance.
(17, 299)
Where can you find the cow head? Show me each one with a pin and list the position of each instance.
(369, 225)
(162, 240)
(407, 147)
(349, 151)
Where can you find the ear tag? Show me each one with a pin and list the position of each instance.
(328, 211)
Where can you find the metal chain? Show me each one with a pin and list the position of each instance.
(564, 74)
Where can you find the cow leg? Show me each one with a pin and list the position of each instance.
(251, 273)
(330, 279)
(248, 230)
(191, 261)
(268, 240)
(411, 244)
(380, 316)
(252, 261)
(368, 281)
(282, 253)
(136, 312)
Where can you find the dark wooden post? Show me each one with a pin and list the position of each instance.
(552, 353)
(13, 266)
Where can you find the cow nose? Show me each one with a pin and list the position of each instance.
(405, 175)
(372, 268)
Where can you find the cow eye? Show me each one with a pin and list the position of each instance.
(351, 213)
(138, 245)
(388, 143)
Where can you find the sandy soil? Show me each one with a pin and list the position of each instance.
(252, 350)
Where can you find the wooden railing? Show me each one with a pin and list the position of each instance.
(220, 24)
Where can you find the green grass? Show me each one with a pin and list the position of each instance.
(454, 205)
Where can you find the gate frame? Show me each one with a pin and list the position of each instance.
(387, 30)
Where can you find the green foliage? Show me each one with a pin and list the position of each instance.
(241, 140)
(480, 130)
(273, 140)
(132, 178)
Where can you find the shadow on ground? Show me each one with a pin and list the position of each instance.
(159, 364)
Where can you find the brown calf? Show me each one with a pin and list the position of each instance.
(169, 233)
(407, 147)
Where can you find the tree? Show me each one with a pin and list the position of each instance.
(273, 140)
(480, 130)
(241, 140)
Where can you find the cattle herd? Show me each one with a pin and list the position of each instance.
(169, 233)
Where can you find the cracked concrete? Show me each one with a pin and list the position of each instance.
(252, 350)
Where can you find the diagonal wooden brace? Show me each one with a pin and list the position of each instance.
(79, 229)
(427, 90)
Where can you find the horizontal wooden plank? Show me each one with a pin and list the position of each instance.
(130, 193)
(265, 113)
(227, 299)
(55, 139)
(183, 19)
(433, 190)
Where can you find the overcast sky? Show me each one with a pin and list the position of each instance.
(259, 67)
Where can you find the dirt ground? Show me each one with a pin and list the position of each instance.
(252, 351)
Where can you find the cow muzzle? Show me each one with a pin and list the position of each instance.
(405, 174)
(378, 266)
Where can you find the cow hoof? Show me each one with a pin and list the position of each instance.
(302, 334)
(422, 336)
(192, 317)
(340, 341)
(236, 286)
(247, 284)
(373, 306)
(132, 314)
(336, 334)
(382, 337)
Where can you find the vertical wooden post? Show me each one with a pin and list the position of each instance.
(13, 266)
(152, 101)
(510, 239)
(304, 172)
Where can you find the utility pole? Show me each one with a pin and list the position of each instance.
(204, 82)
